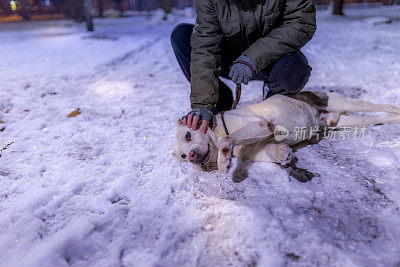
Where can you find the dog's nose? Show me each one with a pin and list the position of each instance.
(193, 157)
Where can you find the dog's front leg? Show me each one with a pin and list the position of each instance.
(279, 153)
(251, 133)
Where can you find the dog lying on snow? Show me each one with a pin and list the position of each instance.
(250, 131)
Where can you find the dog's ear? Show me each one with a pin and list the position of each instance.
(214, 138)
(176, 156)
(179, 122)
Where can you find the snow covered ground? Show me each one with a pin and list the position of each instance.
(102, 189)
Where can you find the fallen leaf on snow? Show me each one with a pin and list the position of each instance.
(50, 93)
(74, 113)
(4, 148)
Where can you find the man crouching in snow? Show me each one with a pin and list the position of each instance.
(243, 41)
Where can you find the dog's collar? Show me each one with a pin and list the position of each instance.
(224, 124)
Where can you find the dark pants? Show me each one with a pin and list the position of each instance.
(287, 75)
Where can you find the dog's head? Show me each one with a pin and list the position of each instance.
(196, 147)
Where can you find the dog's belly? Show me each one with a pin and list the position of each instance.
(253, 152)
(295, 115)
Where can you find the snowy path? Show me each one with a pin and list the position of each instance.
(103, 189)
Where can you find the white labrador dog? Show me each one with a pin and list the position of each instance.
(265, 131)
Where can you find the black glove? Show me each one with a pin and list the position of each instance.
(243, 70)
(203, 114)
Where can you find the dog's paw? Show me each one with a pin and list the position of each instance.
(329, 119)
(225, 154)
(286, 155)
(279, 153)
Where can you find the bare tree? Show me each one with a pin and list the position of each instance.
(25, 10)
(88, 15)
(119, 7)
(337, 8)
(77, 11)
(100, 8)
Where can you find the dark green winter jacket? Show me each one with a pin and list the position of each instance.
(263, 30)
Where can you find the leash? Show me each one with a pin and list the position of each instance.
(237, 96)
(223, 123)
(234, 105)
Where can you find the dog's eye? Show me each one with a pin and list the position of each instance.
(188, 136)
(183, 156)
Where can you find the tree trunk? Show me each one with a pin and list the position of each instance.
(5, 6)
(100, 8)
(120, 8)
(88, 15)
(165, 5)
(338, 7)
(131, 4)
(25, 10)
(77, 10)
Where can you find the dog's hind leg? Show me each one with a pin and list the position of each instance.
(351, 121)
(251, 133)
(341, 104)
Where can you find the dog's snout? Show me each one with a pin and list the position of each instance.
(193, 157)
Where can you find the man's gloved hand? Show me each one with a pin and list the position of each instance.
(243, 70)
(204, 115)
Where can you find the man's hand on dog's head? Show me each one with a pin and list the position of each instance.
(204, 115)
